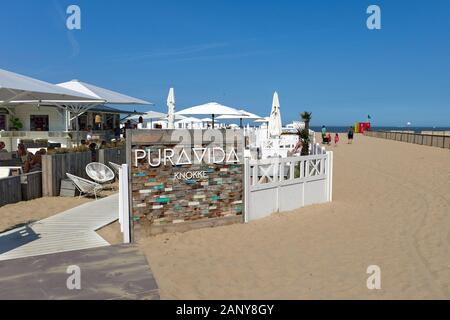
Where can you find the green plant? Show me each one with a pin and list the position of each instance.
(15, 123)
(303, 134)
(68, 150)
(306, 117)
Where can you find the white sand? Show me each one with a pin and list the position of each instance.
(30, 211)
(25, 212)
(391, 208)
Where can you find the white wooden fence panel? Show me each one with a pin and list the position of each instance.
(124, 200)
(285, 184)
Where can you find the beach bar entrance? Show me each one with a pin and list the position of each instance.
(184, 179)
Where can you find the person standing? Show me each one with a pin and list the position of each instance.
(324, 131)
(350, 135)
(336, 139)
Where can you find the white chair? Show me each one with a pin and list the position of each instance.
(85, 186)
(115, 167)
(99, 172)
(4, 172)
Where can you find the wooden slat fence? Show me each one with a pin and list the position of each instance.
(10, 190)
(20, 188)
(55, 167)
(441, 141)
(31, 185)
(116, 155)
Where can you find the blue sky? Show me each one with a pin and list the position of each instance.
(319, 55)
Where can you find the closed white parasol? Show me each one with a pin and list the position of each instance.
(275, 125)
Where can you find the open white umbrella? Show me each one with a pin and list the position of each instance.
(149, 115)
(190, 120)
(110, 97)
(263, 120)
(171, 108)
(275, 125)
(244, 115)
(176, 117)
(212, 108)
(19, 89)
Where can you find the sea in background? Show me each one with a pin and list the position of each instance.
(415, 129)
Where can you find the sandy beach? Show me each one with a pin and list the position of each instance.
(391, 208)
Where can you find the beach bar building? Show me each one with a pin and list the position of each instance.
(34, 110)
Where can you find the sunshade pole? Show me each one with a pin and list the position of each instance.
(212, 116)
(77, 128)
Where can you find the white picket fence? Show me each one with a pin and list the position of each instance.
(285, 184)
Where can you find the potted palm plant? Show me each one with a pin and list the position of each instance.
(304, 133)
(15, 124)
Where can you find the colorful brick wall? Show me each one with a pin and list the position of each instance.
(178, 195)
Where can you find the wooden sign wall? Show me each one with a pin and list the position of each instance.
(184, 179)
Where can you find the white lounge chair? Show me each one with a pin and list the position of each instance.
(115, 167)
(85, 186)
(99, 172)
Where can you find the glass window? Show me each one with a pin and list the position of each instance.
(2, 121)
(39, 123)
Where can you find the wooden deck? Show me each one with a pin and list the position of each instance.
(71, 230)
(107, 273)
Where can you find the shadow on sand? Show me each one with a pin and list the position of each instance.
(16, 238)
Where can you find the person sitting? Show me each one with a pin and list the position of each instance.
(93, 149)
(297, 149)
(329, 138)
(35, 164)
(3, 147)
(23, 154)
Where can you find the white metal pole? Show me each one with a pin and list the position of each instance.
(246, 190)
(126, 205)
(121, 208)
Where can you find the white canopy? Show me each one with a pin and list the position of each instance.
(171, 108)
(177, 117)
(212, 108)
(275, 125)
(190, 120)
(111, 97)
(263, 120)
(244, 115)
(149, 115)
(18, 89)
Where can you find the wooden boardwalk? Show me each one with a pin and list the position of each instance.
(106, 273)
(71, 230)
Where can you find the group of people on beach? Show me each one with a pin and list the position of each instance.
(327, 139)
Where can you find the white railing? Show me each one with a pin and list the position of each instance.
(285, 184)
(124, 200)
(317, 149)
